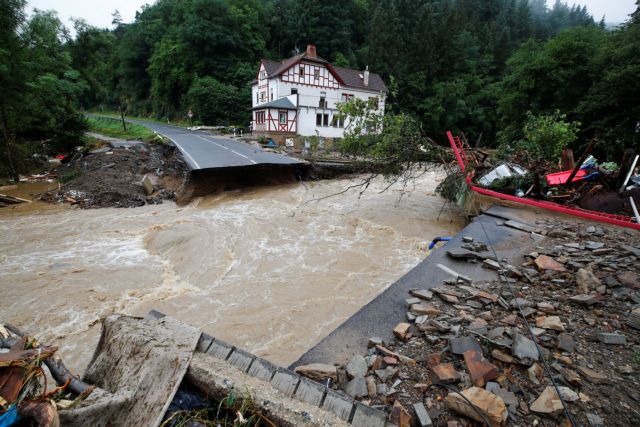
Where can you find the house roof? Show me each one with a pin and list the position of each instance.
(346, 76)
(281, 104)
(355, 79)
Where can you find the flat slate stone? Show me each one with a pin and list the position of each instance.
(285, 381)
(365, 416)
(241, 359)
(220, 349)
(338, 403)
(462, 344)
(524, 348)
(262, 369)
(204, 342)
(424, 420)
(310, 391)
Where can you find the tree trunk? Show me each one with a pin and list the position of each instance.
(7, 141)
(124, 124)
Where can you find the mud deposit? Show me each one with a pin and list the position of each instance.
(270, 270)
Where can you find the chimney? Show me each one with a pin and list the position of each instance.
(311, 50)
(366, 76)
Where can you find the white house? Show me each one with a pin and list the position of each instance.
(298, 97)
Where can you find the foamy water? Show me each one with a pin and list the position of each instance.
(270, 270)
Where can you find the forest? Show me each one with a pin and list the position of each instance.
(478, 66)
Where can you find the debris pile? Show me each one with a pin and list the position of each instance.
(466, 354)
(604, 187)
(121, 177)
(24, 395)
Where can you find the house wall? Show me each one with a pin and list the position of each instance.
(310, 90)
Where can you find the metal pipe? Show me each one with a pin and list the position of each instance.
(438, 239)
(633, 166)
(635, 210)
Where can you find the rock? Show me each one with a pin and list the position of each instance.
(399, 416)
(487, 403)
(423, 309)
(625, 369)
(546, 307)
(568, 394)
(507, 396)
(440, 325)
(422, 415)
(524, 348)
(451, 299)
(611, 282)
(592, 246)
(535, 373)
(503, 357)
(410, 301)
(464, 254)
(423, 294)
(467, 239)
(584, 299)
(595, 420)
(382, 389)
(491, 264)
(357, 387)
(586, 280)
(520, 302)
(548, 402)
(461, 345)
(372, 390)
(446, 373)
(374, 341)
(387, 373)
(401, 330)
(631, 250)
(593, 376)
(633, 319)
(613, 339)
(559, 232)
(566, 343)
(147, 184)
(550, 322)
(318, 371)
(629, 279)
(480, 369)
(357, 367)
(389, 360)
(544, 262)
(570, 376)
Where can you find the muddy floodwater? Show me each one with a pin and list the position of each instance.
(272, 270)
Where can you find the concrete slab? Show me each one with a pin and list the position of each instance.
(220, 349)
(286, 381)
(241, 359)
(310, 391)
(204, 342)
(262, 369)
(338, 403)
(365, 416)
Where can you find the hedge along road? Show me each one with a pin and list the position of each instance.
(201, 150)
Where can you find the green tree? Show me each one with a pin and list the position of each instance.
(216, 103)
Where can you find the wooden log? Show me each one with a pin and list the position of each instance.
(584, 156)
(58, 371)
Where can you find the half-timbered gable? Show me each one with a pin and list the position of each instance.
(300, 96)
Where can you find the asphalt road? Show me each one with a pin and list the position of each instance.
(201, 150)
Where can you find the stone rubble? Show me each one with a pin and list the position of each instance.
(580, 293)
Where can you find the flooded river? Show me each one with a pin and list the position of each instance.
(272, 270)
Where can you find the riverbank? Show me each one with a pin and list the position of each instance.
(575, 284)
